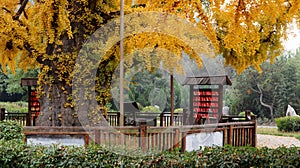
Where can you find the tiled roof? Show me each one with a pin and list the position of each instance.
(207, 80)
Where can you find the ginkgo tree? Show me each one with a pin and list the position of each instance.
(49, 34)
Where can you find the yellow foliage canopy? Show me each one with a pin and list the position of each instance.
(50, 33)
(246, 32)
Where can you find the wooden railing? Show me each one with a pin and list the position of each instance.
(131, 119)
(165, 119)
(113, 118)
(151, 118)
(22, 118)
(147, 138)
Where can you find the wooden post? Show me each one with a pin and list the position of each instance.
(97, 136)
(118, 118)
(224, 138)
(220, 99)
(143, 134)
(184, 116)
(254, 138)
(134, 119)
(86, 139)
(28, 119)
(172, 100)
(28, 122)
(2, 115)
(230, 135)
(161, 119)
(183, 142)
(176, 139)
(191, 111)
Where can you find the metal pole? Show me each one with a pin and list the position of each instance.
(172, 100)
(121, 63)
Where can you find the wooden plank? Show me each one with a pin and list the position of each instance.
(29, 81)
(56, 133)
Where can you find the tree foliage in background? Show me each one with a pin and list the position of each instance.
(48, 34)
(277, 86)
(150, 89)
(10, 86)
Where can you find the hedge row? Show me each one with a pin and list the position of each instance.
(288, 124)
(15, 153)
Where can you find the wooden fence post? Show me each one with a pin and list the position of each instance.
(97, 136)
(2, 115)
(185, 116)
(161, 119)
(143, 134)
(254, 138)
(230, 135)
(118, 118)
(86, 139)
(176, 138)
(183, 142)
(28, 119)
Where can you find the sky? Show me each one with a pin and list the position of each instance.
(293, 41)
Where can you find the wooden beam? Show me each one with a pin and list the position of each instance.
(172, 100)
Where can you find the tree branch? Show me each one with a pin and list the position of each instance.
(264, 104)
(6, 9)
(255, 90)
(21, 9)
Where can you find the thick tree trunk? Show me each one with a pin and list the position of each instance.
(53, 110)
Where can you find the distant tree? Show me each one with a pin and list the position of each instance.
(151, 88)
(13, 81)
(11, 89)
(295, 63)
(267, 93)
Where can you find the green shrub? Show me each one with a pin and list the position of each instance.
(242, 114)
(20, 155)
(178, 110)
(151, 109)
(288, 124)
(12, 153)
(11, 130)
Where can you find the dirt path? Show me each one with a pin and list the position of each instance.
(272, 141)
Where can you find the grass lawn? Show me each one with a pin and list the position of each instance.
(15, 107)
(274, 131)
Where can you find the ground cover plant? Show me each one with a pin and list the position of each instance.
(18, 154)
(11, 130)
(14, 152)
(276, 132)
